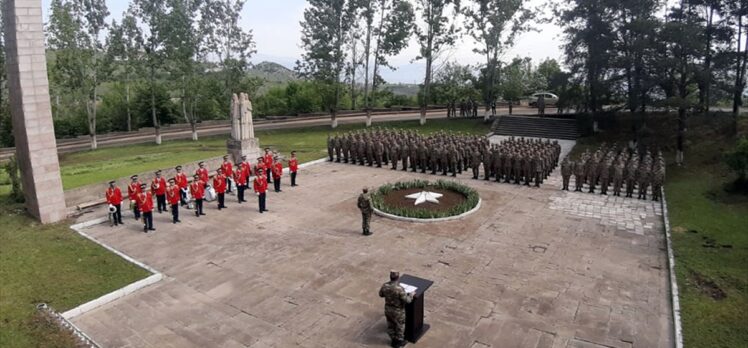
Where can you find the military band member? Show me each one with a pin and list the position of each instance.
(158, 187)
(219, 184)
(260, 186)
(267, 159)
(145, 202)
(181, 182)
(277, 173)
(114, 197)
(240, 178)
(173, 196)
(293, 167)
(228, 170)
(197, 190)
(202, 173)
(132, 193)
(395, 300)
(246, 171)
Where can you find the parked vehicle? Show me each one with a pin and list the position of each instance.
(549, 98)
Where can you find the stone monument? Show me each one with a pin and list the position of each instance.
(31, 111)
(242, 141)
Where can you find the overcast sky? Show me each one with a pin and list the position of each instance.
(277, 32)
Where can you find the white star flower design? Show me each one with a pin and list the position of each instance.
(425, 196)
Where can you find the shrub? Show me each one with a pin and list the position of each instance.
(737, 159)
(470, 202)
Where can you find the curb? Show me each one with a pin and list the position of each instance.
(116, 294)
(674, 293)
(449, 218)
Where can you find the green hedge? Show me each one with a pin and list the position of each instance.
(377, 199)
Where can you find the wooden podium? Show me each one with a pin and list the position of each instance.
(414, 326)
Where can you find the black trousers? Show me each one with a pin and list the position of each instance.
(118, 214)
(270, 175)
(240, 193)
(148, 220)
(221, 197)
(228, 185)
(261, 200)
(293, 179)
(175, 212)
(161, 203)
(198, 206)
(277, 184)
(136, 211)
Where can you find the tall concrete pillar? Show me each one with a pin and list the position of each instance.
(36, 147)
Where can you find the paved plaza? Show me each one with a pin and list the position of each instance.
(534, 267)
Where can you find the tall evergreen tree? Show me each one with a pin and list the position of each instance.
(435, 33)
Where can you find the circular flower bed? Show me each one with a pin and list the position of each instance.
(456, 200)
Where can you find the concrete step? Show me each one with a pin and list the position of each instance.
(536, 127)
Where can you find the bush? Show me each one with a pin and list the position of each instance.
(377, 199)
(737, 159)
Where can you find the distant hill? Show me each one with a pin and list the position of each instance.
(407, 89)
(273, 73)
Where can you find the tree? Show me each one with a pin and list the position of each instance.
(125, 45)
(388, 26)
(494, 25)
(434, 33)
(6, 125)
(739, 13)
(513, 84)
(325, 31)
(151, 14)
(233, 45)
(737, 159)
(74, 33)
(453, 82)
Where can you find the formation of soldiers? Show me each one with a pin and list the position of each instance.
(517, 160)
(616, 168)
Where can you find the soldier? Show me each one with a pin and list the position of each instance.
(346, 147)
(617, 178)
(605, 178)
(197, 190)
(631, 177)
(158, 186)
(219, 184)
(145, 202)
(395, 299)
(579, 175)
(404, 151)
(133, 189)
(267, 159)
(369, 147)
(293, 167)
(338, 144)
(173, 197)
(537, 169)
(228, 171)
(202, 172)
(330, 147)
(566, 170)
(643, 179)
(493, 107)
(364, 204)
(422, 156)
(181, 182)
(277, 173)
(379, 152)
(657, 179)
(395, 151)
(114, 198)
(541, 105)
(475, 162)
(240, 178)
(527, 169)
(475, 109)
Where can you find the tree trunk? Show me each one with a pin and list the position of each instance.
(154, 117)
(510, 107)
(92, 119)
(127, 103)
(367, 56)
(708, 62)
(742, 62)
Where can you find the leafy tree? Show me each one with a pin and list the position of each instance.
(514, 83)
(453, 82)
(151, 14)
(494, 25)
(325, 33)
(738, 11)
(74, 33)
(125, 46)
(737, 159)
(434, 33)
(146, 96)
(6, 124)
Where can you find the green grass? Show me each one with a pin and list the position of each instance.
(703, 214)
(89, 167)
(50, 264)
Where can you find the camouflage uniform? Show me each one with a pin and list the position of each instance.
(617, 178)
(395, 299)
(566, 169)
(364, 204)
(330, 147)
(579, 176)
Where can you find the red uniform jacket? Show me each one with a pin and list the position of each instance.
(293, 165)
(268, 160)
(228, 169)
(262, 166)
(219, 183)
(240, 177)
(261, 184)
(133, 190)
(145, 202)
(247, 169)
(114, 196)
(158, 185)
(173, 195)
(197, 189)
(202, 173)
(181, 180)
(277, 170)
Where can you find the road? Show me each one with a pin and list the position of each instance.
(117, 139)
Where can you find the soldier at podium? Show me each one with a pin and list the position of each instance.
(395, 299)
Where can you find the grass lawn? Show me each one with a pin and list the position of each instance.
(50, 264)
(710, 237)
(83, 168)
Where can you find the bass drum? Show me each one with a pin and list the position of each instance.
(210, 194)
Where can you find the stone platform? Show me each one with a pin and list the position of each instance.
(529, 269)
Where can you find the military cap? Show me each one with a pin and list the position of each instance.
(178, 168)
(134, 177)
(111, 182)
(143, 185)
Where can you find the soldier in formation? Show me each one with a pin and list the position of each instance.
(518, 160)
(625, 171)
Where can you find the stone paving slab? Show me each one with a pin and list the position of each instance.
(518, 273)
